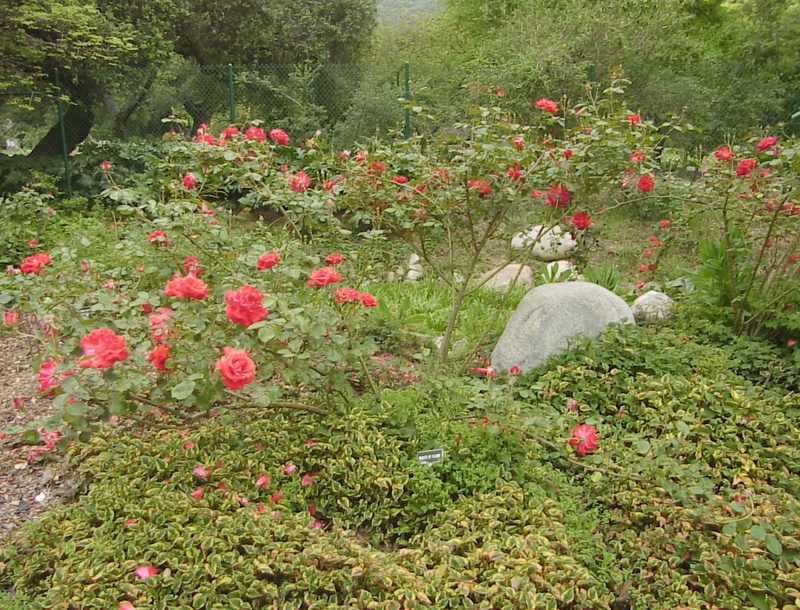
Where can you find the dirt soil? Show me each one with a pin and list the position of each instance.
(33, 478)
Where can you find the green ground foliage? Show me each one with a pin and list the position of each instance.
(691, 500)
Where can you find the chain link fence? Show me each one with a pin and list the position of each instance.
(347, 102)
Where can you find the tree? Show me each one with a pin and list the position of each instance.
(79, 36)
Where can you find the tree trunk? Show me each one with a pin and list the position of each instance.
(78, 121)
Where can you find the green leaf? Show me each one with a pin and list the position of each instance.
(773, 544)
(643, 447)
(758, 533)
(76, 408)
(183, 390)
(758, 599)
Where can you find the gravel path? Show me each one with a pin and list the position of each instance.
(33, 479)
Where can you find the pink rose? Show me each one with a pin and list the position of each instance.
(188, 180)
(323, 277)
(279, 136)
(186, 287)
(584, 439)
(158, 357)
(102, 348)
(547, 105)
(299, 182)
(244, 305)
(236, 367)
(268, 260)
(255, 133)
(766, 143)
(333, 259)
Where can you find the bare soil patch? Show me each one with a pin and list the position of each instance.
(33, 478)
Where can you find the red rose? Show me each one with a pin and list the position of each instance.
(190, 266)
(663, 223)
(514, 172)
(346, 295)
(47, 376)
(10, 318)
(557, 196)
(105, 166)
(158, 356)
(333, 259)
(188, 180)
(102, 348)
(547, 105)
(228, 133)
(236, 367)
(186, 287)
(255, 133)
(34, 264)
(400, 179)
(723, 153)
(206, 138)
(367, 300)
(30, 265)
(323, 277)
(766, 143)
(481, 186)
(268, 260)
(159, 328)
(580, 220)
(299, 182)
(645, 183)
(279, 136)
(158, 237)
(244, 306)
(745, 167)
(633, 119)
(584, 439)
(636, 156)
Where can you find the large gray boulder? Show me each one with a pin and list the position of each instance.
(549, 315)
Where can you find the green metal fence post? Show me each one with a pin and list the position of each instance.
(231, 97)
(64, 151)
(407, 127)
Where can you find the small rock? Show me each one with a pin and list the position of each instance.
(40, 497)
(545, 243)
(47, 475)
(652, 307)
(21, 466)
(504, 276)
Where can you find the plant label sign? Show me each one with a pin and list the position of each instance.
(430, 456)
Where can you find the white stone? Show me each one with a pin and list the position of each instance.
(552, 314)
(412, 259)
(414, 273)
(558, 267)
(545, 243)
(502, 277)
(652, 307)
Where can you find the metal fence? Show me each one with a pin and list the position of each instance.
(346, 102)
